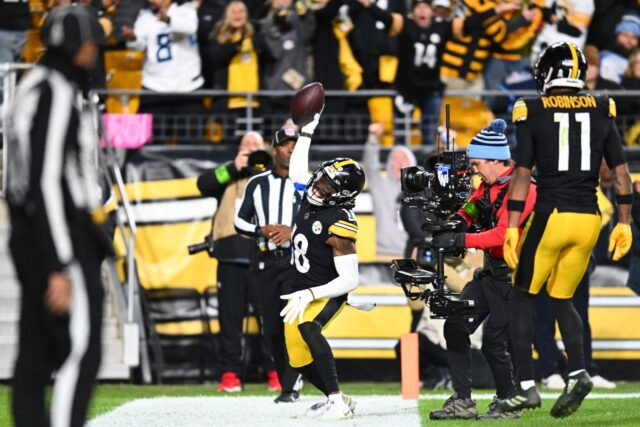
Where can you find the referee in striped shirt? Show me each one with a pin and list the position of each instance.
(56, 242)
(269, 206)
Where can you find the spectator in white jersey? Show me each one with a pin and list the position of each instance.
(166, 31)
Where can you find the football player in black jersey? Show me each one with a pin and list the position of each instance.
(565, 134)
(325, 269)
(421, 40)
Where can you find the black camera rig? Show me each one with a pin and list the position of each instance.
(438, 190)
(425, 285)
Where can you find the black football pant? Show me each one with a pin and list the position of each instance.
(491, 298)
(69, 346)
(234, 295)
(269, 283)
(550, 358)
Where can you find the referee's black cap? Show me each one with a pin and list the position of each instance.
(283, 135)
(66, 28)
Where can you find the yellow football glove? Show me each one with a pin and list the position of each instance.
(620, 239)
(509, 249)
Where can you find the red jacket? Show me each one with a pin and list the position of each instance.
(492, 240)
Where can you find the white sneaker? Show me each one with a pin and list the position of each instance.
(339, 409)
(553, 382)
(601, 382)
(317, 409)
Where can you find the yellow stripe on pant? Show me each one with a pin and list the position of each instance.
(321, 311)
(555, 248)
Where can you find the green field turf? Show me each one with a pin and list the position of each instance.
(595, 412)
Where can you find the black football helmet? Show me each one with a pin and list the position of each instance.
(561, 65)
(336, 182)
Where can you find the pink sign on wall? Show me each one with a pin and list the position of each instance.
(127, 130)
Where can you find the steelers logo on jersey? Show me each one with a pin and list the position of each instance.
(316, 227)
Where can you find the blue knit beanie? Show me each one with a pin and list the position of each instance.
(490, 143)
(629, 23)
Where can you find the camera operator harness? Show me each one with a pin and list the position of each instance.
(486, 218)
(486, 211)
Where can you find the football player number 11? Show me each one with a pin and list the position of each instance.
(584, 120)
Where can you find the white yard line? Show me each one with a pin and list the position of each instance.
(232, 411)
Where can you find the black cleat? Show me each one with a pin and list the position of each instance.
(496, 413)
(287, 397)
(521, 399)
(456, 408)
(574, 393)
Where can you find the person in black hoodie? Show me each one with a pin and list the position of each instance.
(54, 207)
(334, 64)
(421, 40)
(286, 32)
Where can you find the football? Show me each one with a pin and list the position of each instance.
(306, 103)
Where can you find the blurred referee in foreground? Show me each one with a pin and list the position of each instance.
(269, 206)
(56, 243)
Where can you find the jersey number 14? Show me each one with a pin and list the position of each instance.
(584, 120)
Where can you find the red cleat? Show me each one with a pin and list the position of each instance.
(273, 382)
(229, 383)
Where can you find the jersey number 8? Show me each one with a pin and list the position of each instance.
(300, 246)
(164, 48)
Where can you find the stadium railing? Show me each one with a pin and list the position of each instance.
(225, 126)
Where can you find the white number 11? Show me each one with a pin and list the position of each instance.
(563, 140)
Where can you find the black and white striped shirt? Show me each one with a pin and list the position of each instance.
(268, 199)
(52, 175)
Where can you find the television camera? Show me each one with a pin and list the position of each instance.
(438, 190)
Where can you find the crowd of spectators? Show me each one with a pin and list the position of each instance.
(417, 47)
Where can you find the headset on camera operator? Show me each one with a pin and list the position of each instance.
(226, 183)
(490, 288)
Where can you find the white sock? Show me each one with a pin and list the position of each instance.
(574, 373)
(335, 397)
(526, 385)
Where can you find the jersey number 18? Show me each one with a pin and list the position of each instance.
(300, 246)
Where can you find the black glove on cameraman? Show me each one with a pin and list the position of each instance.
(452, 239)
(449, 240)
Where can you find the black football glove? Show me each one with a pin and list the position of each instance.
(449, 240)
